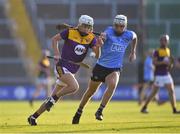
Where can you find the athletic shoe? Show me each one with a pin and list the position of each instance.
(32, 121)
(144, 110)
(76, 118)
(176, 112)
(99, 115)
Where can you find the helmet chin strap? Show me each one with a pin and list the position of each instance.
(118, 33)
(82, 33)
(163, 46)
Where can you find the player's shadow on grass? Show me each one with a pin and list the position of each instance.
(115, 129)
(112, 129)
(12, 126)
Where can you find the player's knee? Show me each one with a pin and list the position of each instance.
(112, 85)
(171, 90)
(112, 81)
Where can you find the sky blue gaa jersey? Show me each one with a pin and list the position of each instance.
(148, 69)
(114, 47)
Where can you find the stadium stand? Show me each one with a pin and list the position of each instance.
(12, 68)
(69, 12)
(157, 21)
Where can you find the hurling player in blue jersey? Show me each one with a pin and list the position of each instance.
(109, 65)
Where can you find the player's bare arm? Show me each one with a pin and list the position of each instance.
(55, 40)
(156, 62)
(97, 51)
(97, 48)
(132, 55)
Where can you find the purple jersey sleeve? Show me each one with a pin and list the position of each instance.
(155, 54)
(93, 42)
(179, 59)
(64, 34)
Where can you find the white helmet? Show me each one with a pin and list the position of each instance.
(45, 52)
(120, 19)
(165, 36)
(85, 19)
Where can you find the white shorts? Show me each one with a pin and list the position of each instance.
(58, 71)
(161, 81)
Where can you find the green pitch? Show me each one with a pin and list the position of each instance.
(119, 117)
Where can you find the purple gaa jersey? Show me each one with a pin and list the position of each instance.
(178, 59)
(162, 54)
(44, 68)
(75, 47)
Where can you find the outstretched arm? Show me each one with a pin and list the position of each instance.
(156, 62)
(132, 55)
(55, 40)
(97, 51)
(97, 48)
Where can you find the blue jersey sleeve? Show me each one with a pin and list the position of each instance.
(148, 63)
(129, 36)
(133, 35)
(107, 32)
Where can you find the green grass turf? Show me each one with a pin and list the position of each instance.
(119, 117)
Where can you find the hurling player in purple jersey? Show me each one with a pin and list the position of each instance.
(161, 60)
(77, 41)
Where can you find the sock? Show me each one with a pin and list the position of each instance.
(174, 109)
(144, 107)
(79, 111)
(35, 115)
(55, 97)
(101, 107)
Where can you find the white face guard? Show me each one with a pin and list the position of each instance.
(120, 19)
(85, 19)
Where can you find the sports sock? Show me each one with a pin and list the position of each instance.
(79, 111)
(35, 115)
(101, 107)
(174, 109)
(55, 97)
